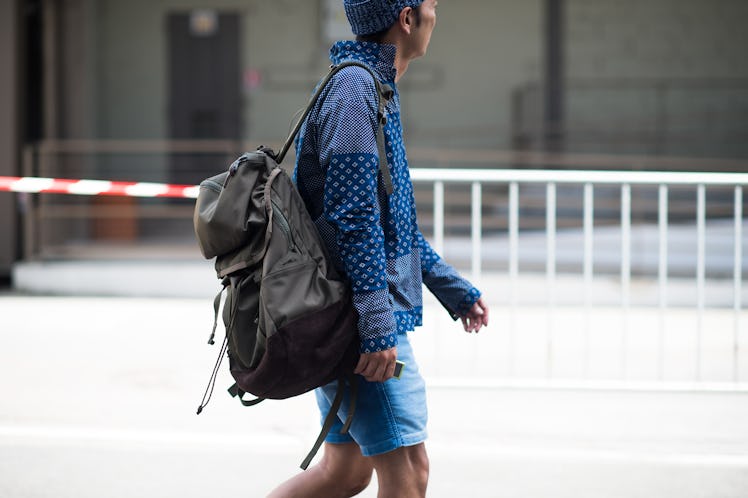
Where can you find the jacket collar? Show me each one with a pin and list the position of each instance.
(379, 57)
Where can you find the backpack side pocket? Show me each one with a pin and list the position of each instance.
(241, 317)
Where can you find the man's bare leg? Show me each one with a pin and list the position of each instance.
(402, 473)
(342, 472)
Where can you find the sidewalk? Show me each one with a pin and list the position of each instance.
(99, 398)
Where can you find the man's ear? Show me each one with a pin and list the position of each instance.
(405, 20)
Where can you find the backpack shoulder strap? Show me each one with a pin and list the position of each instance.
(384, 95)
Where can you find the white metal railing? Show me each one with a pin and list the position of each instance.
(589, 180)
(44, 159)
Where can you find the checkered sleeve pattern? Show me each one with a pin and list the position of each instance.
(455, 293)
(347, 127)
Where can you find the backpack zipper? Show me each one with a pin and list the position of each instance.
(284, 225)
(214, 186)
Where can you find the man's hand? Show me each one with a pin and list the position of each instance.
(377, 367)
(476, 318)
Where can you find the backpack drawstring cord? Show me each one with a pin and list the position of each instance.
(214, 376)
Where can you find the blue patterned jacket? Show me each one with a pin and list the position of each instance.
(372, 238)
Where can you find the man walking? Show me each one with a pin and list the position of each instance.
(375, 242)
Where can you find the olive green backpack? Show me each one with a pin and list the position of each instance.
(290, 323)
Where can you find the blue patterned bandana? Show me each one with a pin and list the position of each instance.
(372, 16)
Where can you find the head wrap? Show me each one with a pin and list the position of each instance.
(372, 16)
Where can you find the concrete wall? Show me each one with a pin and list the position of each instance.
(660, 38)
(673, 69)
(480, 51)
(78, 69)
(460, 94)
(459, 91)
(132, 58)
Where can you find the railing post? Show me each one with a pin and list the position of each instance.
(513, 270)
(550, 272)
(625, 273)
(588, 229)
(700, 271)
(476, 233)
(662, 276)
(439, 217)
(737, 280)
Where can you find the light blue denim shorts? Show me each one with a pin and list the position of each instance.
(388, 415)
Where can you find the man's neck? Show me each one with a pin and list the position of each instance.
(401, 65)
(401, 62)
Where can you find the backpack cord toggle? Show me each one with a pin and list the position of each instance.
(214, 376)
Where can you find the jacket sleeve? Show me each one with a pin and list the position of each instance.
(455, 293)
(346, 134)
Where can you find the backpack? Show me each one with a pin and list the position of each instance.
(289, 319)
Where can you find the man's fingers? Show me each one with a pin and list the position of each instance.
(366, 366)
(363, 360)
(380, 374)
(377, 367)
(477, 317)
(370, 370)
(384, 372)
(484, 308)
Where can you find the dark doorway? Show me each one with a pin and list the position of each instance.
(204, 87)
(33, 77)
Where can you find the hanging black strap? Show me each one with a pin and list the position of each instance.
(332, 415)
(384, 95)
(353, 397)
(236, 391)
(216, 306)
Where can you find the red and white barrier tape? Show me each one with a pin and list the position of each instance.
(96, 187)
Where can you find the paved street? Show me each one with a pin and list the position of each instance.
(99, 398)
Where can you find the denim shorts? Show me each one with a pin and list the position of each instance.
(388, 415)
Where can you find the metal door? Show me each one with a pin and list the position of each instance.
(204, 87)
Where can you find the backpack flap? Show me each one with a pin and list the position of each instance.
(229, 213)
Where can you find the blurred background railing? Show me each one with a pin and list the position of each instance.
(644, 248)
(70, 226)
(666, 244)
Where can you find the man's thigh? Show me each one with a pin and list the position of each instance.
(387, 415)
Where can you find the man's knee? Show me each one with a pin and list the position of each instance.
(355, 480)
(349, 470)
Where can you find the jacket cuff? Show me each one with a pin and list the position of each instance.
(467, 302)
(376, 321)
(381, 343)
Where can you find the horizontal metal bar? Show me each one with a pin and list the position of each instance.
(459, 175)
(568, 160)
